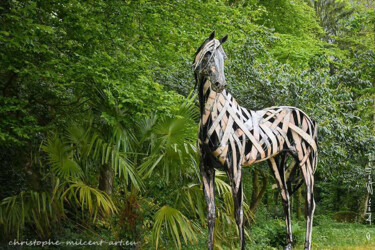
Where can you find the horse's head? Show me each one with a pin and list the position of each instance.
(209, 62)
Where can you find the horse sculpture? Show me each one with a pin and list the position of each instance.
(231, 136)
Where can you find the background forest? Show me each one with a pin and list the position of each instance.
(98, 118)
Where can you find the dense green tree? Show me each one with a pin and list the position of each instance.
(98, 119)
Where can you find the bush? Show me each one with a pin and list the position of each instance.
(345, 216)
(273, 233)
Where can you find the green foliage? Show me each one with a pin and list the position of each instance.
(15, 126)
(175, 224)
(61, 159)
(169, 141)
(331, 13)
(90, 198)
(271, 233)
(290, 17)
(39, 208)
(87, 86)
(330, 235)
(345, 216)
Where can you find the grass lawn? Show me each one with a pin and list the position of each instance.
(327, 234)
(334, 235)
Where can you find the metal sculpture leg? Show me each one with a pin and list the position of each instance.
(286, 202)
(235, 177)
(238, 213)
(278, 170)
(208, 178)
(309, 181)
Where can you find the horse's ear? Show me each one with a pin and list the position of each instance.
(212, 36)
(223, 39)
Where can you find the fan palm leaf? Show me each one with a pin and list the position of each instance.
(176, 226)
(95, 200)
(109, 153)
(170, 141)
(190, 198)
(39, 208)
(81, 146)
(60, 157)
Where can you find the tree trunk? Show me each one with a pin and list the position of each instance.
(267, 197)
(33, 178)
(106, 179)
(130, 214)
(258, 195)
(298, 202)
(255, 182)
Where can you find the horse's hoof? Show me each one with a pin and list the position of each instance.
(288, 247)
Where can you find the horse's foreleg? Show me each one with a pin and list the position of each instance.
(237, 191)
(208, 178)
(278, 171)
(238, 210)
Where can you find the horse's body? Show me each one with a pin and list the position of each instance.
(231, 136)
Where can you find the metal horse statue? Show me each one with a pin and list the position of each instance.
(231, 136)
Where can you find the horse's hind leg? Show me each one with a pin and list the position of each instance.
(309, 181)
(278, 170)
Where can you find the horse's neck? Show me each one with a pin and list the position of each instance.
(209, 98)
(220, 100)
(213, 101)
(217, 106)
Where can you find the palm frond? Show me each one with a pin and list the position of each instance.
(222, 186)
(81, 137)
(123, 138)
(60, 156)
(190, 197)
(170, 142)
(109, 153)
(92, 199)
(174, 224)
(41, 209)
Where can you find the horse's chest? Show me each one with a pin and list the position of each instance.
(222, 140)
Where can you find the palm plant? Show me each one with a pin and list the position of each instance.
(42, 209)
(169, 142)
(71, 158)
(81, 150)
(170, 157)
